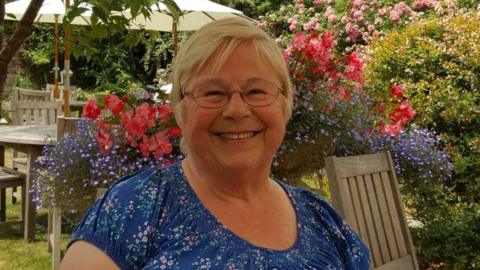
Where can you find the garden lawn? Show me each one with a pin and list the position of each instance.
(15, 253)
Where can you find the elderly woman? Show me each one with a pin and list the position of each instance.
(219, 208)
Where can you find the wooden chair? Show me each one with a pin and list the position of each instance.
(30, 113)
(22, 94)
(38, 112)
(365, 192)
(10, 178)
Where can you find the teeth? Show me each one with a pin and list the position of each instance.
(237, 136)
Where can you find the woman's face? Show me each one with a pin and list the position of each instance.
(236, 136)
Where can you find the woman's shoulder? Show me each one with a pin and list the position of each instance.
(124, 219)
(306, 198)
(320, 217)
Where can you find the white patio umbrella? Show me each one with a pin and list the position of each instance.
(196, 13)
(52, 11)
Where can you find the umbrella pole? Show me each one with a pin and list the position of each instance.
(66, 68)
(56, 68)
(175, 37)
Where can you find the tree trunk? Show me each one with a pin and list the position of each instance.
(22, 31)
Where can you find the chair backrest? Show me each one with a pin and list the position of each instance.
(38, 112)
(61, 87)
(22, 94)
(365, 192)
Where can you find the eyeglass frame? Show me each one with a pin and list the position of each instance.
(280, 90)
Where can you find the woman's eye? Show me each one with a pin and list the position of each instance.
(256, 91)
(211, 93)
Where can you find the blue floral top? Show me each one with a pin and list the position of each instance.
(154, 220)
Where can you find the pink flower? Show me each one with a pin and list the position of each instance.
(357, 3)
(382, 11)
(357, 15)
(423, 4)
(307, 26)
(318, 2)
(353, 32)
(91, 110)
(293, 25)
(392, 129)
(402, 8)
(332, 18)
(330, 15)
(394, 17)
(299, 41)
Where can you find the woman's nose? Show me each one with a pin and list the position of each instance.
(236, 107)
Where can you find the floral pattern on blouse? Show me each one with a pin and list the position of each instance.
(154, 220)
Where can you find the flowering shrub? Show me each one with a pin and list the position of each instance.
(102, 151)
(438, 63)
(355, 22)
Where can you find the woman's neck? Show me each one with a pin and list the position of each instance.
(244, 185)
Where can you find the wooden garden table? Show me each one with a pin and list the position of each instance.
(29, 139)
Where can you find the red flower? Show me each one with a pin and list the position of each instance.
(344, 94)
(327, 39)
(164, 112)
(397, 90)
(104, 139)
(403, 113)
(353, 70)
(113, 103)
(174, 132)
(135, 127)
(164, 148)
(91, 110)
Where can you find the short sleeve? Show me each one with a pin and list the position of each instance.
(354, 252)
(121, 223)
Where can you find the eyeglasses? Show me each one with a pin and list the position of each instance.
(256, 94)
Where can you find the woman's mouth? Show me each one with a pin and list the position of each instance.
(237, 135)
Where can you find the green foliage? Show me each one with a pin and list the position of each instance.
(254, 8)
(451, 240)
